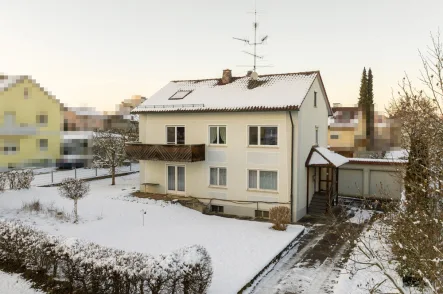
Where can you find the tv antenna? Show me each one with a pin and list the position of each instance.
(255, 43)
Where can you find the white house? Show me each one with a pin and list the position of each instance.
(238, 143)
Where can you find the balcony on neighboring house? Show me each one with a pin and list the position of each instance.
(166, 152)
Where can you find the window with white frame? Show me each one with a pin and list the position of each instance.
(10, 147)
(262, 180)
(217, 209)
(262, 214)
(263, 135)
(43, 144)
(42, 119)
(217, 135)
(218, 176)
(175, 135)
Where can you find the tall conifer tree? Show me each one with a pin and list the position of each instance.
(363, 88)
(370, 85)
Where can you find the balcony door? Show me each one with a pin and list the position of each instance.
(176, 179)
(175, 135)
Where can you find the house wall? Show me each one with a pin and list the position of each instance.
(308, 118)
(370, 180)
(25, 131)
(236, 156)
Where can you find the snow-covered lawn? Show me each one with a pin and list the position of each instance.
(239, 249)
(15, 284)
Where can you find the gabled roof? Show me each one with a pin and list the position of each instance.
(267, 93)
(8, 81)
(321, 156)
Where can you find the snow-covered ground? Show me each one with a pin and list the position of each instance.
(109, 217)
(15, 284)
(359, 277)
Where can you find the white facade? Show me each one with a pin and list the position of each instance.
(297, 132)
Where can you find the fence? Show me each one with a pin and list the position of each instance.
(42, 178)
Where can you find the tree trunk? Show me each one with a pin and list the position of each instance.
(75, 211)
(113, 175)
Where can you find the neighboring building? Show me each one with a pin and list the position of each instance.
(238, 143)
(30, 124)
(347, 133)
(126, 106)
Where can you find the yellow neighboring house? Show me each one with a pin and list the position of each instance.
(30, 124)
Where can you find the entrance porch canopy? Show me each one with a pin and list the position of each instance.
(323, 157)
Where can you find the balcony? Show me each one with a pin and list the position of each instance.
(159, 152)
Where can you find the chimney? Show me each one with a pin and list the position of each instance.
(227, 77)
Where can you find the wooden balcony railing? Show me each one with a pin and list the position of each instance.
(159, 152)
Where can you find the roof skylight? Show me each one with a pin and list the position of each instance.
(180, 94)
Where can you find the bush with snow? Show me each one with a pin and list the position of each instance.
(73, 189)
(91, 268)
(16, 179)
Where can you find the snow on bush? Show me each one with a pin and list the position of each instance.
(16, 179)
(91, 268)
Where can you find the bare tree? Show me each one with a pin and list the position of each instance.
(404, 245)
(109, 150)
(73, 189)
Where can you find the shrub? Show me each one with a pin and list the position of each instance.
(3, 180)
(280, 216)
(73, 189)
(90, 268)
(17, 179)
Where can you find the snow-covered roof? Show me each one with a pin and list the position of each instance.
(377, 161)
(85, 110)
(324, 156)
(397, 154)
(9, 81)
(268, 92)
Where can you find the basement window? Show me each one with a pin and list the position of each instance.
(217, 208)
(180, 94)
(261, 214)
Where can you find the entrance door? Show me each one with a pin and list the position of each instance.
(325, 179)
(176, 179)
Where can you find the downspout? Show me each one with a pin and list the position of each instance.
(292, 165)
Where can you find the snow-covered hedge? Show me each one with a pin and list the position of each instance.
(91, 268)
(16, 179)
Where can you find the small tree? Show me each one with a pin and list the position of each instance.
(73, 189)
(109, 150)
(280, 216)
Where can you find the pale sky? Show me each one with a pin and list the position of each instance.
(97, 53)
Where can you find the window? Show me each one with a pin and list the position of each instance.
(43, 144)
(263, 136)
(9, 119)
(262, 180)
(10, 148)
(175, 135)
(180, 94)
(42, 119)
(217, 208)
(334, 136)
(315, 99)
(262, 214)
(218, 176)
(25, 93)
(316, 135)
(217, 135)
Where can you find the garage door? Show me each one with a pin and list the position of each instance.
(384, 184)
(350, 182)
